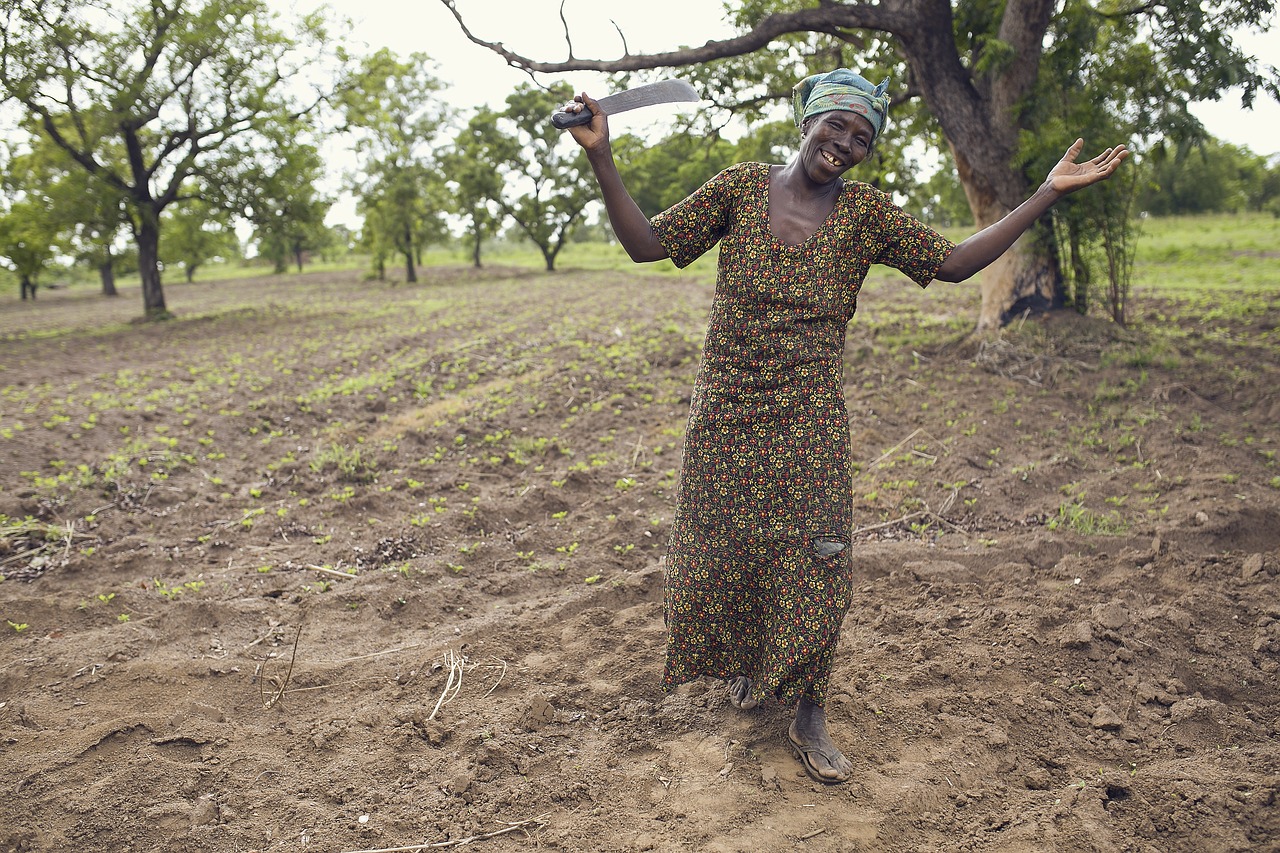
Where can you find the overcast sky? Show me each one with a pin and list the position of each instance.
(533, 28)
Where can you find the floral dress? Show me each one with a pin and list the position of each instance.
(758, 570)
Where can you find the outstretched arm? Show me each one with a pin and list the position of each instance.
(629, 223)
(978, 251)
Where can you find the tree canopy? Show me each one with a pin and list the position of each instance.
(391, 109)
(158, 99)
(979, 73)
(545, 186)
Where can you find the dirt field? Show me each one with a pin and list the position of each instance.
(331, 565)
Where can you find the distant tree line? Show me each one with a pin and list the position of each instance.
(1210, 177)
(150, 132)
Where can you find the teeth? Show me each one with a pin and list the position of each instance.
(832, 160)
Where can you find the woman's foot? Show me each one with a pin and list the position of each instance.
(812, 744)
(740, 693)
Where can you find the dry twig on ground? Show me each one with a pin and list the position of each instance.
(457, 666)
(268, 703)
(540, 821)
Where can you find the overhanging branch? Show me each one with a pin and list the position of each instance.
(829, 18)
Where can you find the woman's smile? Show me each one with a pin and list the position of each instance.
(832, 159)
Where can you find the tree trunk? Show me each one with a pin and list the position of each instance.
(979, 116)
(1026, 277)
(475, 249)
(107, 273)
(410, 271)
(27, 285)
(148, 238)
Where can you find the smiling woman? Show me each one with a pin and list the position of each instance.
(759, 576)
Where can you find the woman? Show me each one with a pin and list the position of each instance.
(758, 572)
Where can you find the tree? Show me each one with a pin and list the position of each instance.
(281, 200)
(196, 232)
(391, 105)
(476, 187)
(545, 179)
(404, 209)
(28, 230)
(25, 242)
(1090, 78)
(1208, 176)
(84, 216)
(662, 174)
(976, 68)
(87, 214)
(153, 98)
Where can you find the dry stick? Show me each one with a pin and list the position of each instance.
(635, 456)
(16, 557)
(334, 684)
(71, 532)
(270, 633)
(455, 671)
(229, 522)
(373, 654)
(894, 449)
(540, 820)
(910, 517)
(267, 704)
(333, 572)
(501, 676)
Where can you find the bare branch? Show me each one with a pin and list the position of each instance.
(568, 40)
(83, 157)
(826, 18)
(625, 50)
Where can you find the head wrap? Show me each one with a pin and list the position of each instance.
(841, 89)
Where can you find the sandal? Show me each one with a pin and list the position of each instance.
(803, 753)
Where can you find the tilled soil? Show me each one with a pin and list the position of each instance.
(333, 565)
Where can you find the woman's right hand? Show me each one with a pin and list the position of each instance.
(595, 135)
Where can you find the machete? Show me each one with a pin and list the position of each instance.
(663, 92)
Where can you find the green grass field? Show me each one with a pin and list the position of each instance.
(1176, 257)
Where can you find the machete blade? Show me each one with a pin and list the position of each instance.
(663, 92)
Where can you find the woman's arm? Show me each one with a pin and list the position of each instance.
(978, 251)
(629, 223)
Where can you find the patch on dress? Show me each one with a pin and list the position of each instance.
(827, 545)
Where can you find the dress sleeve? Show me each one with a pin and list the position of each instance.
(690, 227)
(907, 244)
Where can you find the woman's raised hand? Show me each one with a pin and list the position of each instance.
(594, 135)
(1069, 176)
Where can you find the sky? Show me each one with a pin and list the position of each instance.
(475, 76)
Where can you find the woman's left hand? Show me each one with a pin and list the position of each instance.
(1069, 176)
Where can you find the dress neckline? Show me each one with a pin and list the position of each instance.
(768, 218)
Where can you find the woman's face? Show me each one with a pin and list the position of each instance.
(833, 143)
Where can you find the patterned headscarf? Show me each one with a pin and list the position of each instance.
(841, 89)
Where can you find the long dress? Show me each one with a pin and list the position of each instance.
(758, 570)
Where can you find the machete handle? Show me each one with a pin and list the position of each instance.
(563, 119)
